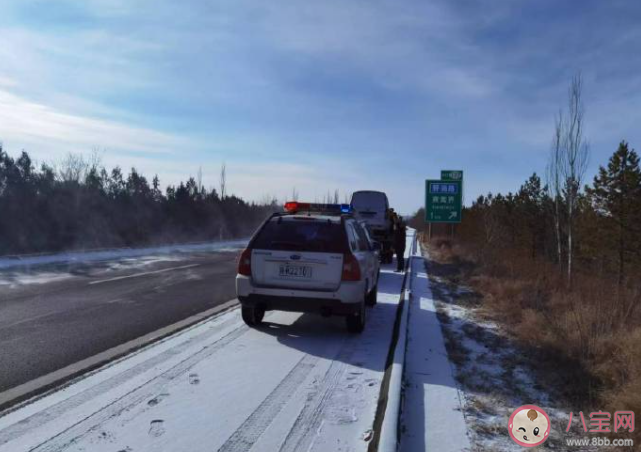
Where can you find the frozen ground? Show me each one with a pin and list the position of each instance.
(299, 383)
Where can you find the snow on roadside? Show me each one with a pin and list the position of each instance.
(432, 416)
(118, 253)
(494, 375)
(44, 269)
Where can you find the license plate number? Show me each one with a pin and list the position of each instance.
(295, 271)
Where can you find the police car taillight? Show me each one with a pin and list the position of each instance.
(351, 268)
(295, 206)
(245, 263)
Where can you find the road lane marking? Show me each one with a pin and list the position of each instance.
(118, 278)
(50, 314)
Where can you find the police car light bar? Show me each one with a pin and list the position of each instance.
(295, 206)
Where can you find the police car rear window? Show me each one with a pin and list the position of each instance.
(299, 235)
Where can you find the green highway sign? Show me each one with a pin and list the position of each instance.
(451, 175)
(443, 200)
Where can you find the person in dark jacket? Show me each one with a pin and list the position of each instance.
(400, 231)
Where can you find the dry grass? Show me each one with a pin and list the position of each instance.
(587, 341)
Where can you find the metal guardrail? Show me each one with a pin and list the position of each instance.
(386, 423)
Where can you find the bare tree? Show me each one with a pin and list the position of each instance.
(576, 158)
(223, 181)
(567, 166)
(95, 159)
(73, 168)
(327, 198)
(267, 200)
(554, 185)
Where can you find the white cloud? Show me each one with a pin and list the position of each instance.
(420, 46)
(29, 124)
(7, 82)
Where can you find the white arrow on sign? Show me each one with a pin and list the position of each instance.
(452, 215)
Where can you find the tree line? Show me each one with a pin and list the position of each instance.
(558, 263)
(590, 228)
(605, 221)
(81, 204)
(597, 229)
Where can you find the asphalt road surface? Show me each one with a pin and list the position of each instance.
(55, 316)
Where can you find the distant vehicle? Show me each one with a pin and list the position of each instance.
(372, 207)
(311, 258)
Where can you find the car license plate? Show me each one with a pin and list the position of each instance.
(295, 271)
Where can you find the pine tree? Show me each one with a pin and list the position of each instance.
(530, 204)
(616, 195)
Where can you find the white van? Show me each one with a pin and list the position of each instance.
(372, 207)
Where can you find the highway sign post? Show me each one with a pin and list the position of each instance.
(443, 200)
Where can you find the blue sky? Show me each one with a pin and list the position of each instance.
(319, 96)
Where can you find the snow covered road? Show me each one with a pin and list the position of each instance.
(298, 383)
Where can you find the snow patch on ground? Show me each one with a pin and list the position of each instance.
(19, 271)
(119, 253)
(19, 279)
(432, 415)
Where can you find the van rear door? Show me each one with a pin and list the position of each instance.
(371, 206)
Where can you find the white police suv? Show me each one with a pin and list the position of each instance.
(310, 258)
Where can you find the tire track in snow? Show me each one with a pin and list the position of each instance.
(255, 425)
(308, 422)
(137, 396)
(32, 422)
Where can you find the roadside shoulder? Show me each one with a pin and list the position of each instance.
(495, 375)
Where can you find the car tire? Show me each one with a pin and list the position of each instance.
(371, 297)
(253, 316)
(356, 322)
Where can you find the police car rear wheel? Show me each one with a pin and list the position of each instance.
(253, 316)
(356, 322)
(371, 297)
